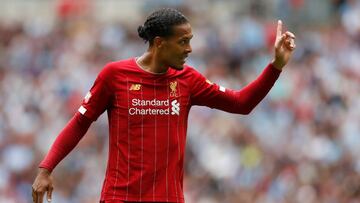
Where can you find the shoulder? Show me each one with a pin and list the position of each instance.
(191, 71)
(115, 67)
(122, 63)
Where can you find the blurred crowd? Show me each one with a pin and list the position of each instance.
(300, 145)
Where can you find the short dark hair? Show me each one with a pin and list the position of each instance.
(160, 23)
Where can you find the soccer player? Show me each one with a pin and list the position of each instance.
(147, 99)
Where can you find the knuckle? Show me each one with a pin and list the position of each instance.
(39, 190)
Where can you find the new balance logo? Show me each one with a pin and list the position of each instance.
(135, 87)
(175, 107)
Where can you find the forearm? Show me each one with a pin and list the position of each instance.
(246, 99)
(66, 141)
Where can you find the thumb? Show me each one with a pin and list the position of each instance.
(49, 194)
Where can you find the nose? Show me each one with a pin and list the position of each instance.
(188, 49)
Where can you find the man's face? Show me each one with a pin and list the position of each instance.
(176, 48)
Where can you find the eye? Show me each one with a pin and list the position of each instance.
(182, 42)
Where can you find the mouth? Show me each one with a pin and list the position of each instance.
(183, 59)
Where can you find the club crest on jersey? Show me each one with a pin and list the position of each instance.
(173, 88)
(87, 97)
(135, 87)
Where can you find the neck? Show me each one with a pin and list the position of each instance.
(149, 62)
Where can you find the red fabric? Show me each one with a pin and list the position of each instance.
(148, 121)
(66, 141)
(242, 101)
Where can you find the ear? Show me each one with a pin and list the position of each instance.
(159, 42)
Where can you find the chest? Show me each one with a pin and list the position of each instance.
(148, 99)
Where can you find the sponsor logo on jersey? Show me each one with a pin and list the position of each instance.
(135, 87)
(154, 107)
(173, 88)
(175, 107)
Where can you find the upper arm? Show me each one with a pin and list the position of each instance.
(204, 92)
(98, 99)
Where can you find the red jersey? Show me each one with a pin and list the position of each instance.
(148, 116)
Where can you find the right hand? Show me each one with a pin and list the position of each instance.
(284, 47)
(43, 183)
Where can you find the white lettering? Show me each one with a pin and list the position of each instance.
(153, 102)
(149, 111)
(132, 111)
(136, 103)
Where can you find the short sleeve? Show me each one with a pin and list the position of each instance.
(98, 99)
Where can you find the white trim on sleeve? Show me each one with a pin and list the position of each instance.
(82, 110)
(221, 88)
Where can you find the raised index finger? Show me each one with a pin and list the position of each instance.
(279, 29)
